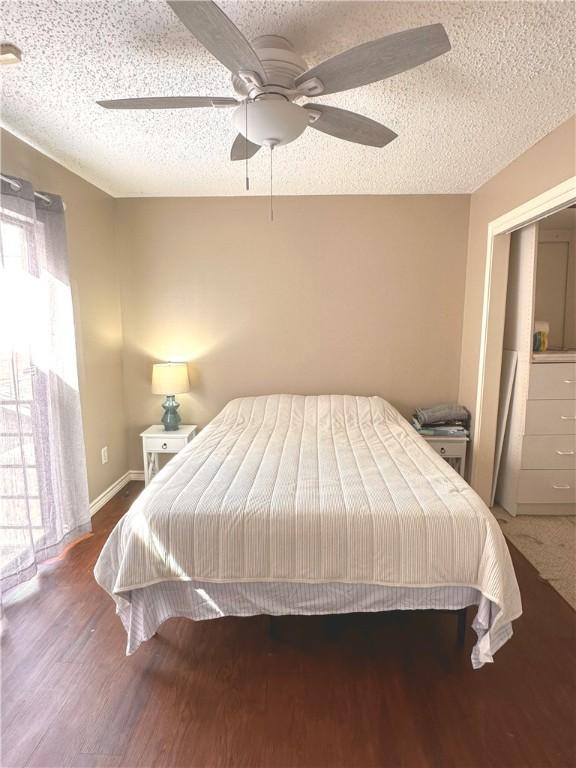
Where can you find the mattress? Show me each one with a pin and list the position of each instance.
(330, 489)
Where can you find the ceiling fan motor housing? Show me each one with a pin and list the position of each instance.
(268, 117)
(280, 62)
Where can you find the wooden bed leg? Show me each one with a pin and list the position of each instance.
(273, 628)
(461, 626)
(332, 624)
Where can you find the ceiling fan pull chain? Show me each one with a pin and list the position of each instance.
(246, 146)
(271, 183)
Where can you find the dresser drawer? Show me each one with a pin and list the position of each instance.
(549, 452)
(552, 381)
(164, 444)
(553, 486)
(550, 417)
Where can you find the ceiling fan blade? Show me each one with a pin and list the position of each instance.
(350, 126)
(379, 59)
(170, 102)
(219, 35)
(243, 149)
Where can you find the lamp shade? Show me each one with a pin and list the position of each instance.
(170, 378)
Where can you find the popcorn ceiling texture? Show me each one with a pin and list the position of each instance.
(508, 81)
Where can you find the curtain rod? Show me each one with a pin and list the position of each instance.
(16, 186)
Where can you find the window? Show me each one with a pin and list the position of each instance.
(43, 496)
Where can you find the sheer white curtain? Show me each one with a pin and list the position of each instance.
(43, 487)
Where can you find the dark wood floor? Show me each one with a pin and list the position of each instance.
(387, 690)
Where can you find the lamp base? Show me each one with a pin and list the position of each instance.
(171, 418)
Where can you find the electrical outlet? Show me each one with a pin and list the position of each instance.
(104, 454)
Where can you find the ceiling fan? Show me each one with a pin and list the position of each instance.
(270, 76)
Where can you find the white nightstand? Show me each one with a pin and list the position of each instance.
(155, 440)
(453, 449)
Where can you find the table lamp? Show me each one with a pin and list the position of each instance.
(170, 379)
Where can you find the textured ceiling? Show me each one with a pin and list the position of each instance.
(508, 81)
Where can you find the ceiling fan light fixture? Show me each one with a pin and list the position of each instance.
(270, 120)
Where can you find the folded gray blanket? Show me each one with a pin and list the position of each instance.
(442, 413)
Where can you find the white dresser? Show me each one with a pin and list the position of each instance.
(539, 469)
(548, 468)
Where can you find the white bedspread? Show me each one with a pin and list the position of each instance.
(335, 489)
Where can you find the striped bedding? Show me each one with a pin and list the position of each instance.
(319, 490)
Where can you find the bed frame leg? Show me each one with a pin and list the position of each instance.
(333, 625)
(461, 615)
(273, 628)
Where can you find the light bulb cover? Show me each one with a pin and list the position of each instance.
(270, 121)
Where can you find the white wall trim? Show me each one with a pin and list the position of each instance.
(549, 202)
(112, 490)
(493, 311)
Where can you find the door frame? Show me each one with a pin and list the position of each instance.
(492, 330)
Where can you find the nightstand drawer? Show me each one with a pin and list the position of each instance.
(157, 441)
(449, 449)
(164, 444)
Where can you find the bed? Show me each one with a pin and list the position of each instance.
(289, 504)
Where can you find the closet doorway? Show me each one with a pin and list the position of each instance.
(534, 488)
(535, 459)
(493, 321)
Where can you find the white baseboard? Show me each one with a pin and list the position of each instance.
(112, 490)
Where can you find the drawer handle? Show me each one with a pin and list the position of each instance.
(568, 418)
(164, 445)
(562, 487)
(442, 450)
(565, 453)
(569, 381)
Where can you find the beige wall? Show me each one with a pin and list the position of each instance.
(340, 294)
(95, 284)
(356, 294)
(546, 164)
